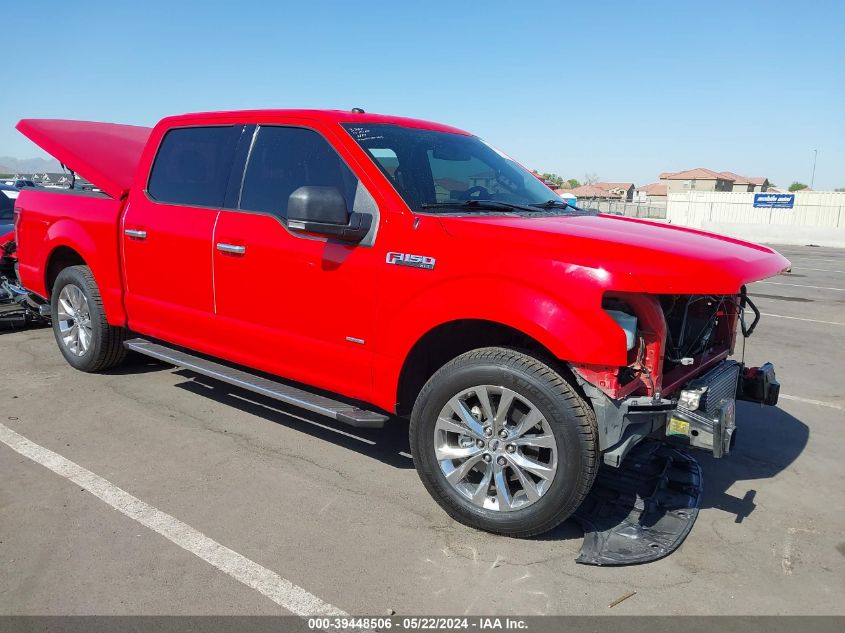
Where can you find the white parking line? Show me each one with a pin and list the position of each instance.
(268, 583)
(819, 270)
(818, 403)
(808, 253)
(814, 258)
(783, 316)
(780, 283)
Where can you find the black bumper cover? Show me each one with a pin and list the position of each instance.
(642, 510)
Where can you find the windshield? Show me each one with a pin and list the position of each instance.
(440, 168)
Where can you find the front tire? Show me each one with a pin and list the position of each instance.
(503, 442)
(83, 334)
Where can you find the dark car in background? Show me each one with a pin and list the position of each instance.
(7, 207)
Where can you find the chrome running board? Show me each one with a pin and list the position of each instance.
(340, 411)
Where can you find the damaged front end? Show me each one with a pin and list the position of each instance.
(678, 389)
(678, 371)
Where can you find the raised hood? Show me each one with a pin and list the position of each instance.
(633, 255)
(104, 153)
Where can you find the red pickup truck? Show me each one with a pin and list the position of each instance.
(362, 266)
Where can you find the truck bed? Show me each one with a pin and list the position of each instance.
(51, 222)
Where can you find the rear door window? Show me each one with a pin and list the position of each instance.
(193, 165)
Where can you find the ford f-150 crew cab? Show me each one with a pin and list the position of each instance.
(362, 266)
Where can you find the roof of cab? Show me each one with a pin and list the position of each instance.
(335, 116)
(107, 154)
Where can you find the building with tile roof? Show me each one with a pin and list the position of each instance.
(654, 192)
(703, 179)
(625, 190)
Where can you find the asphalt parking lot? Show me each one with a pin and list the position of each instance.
(341, 514)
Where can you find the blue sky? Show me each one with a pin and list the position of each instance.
(621, 89)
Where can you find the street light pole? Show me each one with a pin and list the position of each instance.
(813, 178)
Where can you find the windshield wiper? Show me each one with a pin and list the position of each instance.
(563, 204)
(497, 205)
(555, 204)
(477, 205)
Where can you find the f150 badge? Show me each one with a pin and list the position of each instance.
(415, 261)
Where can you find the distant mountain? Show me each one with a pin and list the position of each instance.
(9, 164)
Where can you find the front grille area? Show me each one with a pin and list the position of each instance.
(713, 424)
(721, 382)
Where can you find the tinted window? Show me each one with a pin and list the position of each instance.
(286, 158)
(193, 165)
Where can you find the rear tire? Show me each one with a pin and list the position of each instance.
(504, 443)
(83, 334)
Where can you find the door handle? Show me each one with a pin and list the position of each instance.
(234, 249)
(136, 234)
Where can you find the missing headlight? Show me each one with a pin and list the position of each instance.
(628, 322)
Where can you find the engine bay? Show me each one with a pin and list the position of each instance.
(696, 324)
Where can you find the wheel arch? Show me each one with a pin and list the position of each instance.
(60, 257)
(449, 340)
(69, 243)
(561, 327)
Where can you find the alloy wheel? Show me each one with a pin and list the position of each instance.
(495, 448)
(74, 319)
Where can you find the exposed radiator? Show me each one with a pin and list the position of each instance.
(721, 384)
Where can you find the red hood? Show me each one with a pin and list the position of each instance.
(629, 254)
(104, 153)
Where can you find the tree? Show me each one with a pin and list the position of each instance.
(797, 186)
(553, 178)
(558, 181)
(590, 178)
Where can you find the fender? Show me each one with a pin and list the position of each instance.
(579, 334)
(104, 262)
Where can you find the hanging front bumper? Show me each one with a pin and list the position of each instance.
(701, 415)
(714, 432)
(706, 414)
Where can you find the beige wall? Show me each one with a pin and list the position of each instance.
(642, 196)
(743, 188)
(749, 187)
(679, 186)
(818, 217)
